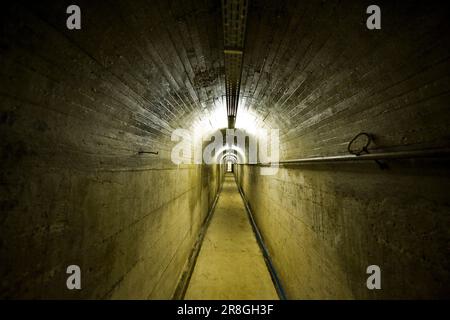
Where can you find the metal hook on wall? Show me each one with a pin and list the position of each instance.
(364, 148)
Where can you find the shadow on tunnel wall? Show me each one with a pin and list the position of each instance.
(86, 174)
(325, 224)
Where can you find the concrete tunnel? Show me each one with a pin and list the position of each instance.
(92, 97)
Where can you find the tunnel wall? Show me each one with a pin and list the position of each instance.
(76, 109)
(131, 232)
(325, 224)
(325, 78)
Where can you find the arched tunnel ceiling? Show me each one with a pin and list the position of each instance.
(313, 70)
(139, 69)
(136, 71)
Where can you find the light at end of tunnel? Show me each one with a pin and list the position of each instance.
(240, 154)
(211, 121)
(247, 121)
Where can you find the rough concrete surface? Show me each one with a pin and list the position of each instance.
(130, 232)
(325, 224)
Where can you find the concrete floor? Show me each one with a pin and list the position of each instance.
(230, 264)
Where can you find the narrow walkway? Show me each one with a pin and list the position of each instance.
(230, 264)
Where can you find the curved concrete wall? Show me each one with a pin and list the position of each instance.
(325, 224)
(75, 110)
(131, 232)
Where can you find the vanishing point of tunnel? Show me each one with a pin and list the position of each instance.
(225, 149)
